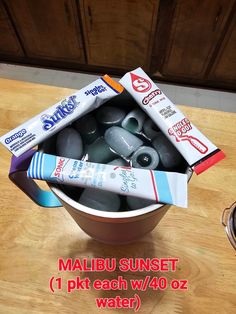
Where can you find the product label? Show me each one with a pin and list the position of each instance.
(151, 96)
(187, 139)
(58, 171)
(128, 180)
(140, 84)
(160, 186)
(180, 130)
(96, 90)
(66, 108)
(15, 136)
(58, 116)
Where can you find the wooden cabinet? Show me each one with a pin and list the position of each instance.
(223, 70)
(49, 29)
(193, 33)
(9, 44)
(119, 34)
(182, 41)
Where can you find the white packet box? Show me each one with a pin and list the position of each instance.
(196, 148)
(58, 116)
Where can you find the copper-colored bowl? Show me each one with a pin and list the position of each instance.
(113, 227)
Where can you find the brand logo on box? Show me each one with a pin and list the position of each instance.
(59, 168)
(62, 111)
(140, 84)
(150, 96)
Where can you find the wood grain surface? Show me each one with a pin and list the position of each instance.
(33, 238)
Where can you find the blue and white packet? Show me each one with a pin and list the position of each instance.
(159, 186)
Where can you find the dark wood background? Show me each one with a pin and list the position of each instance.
(187, 42)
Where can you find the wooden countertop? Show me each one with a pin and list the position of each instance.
(33, 238)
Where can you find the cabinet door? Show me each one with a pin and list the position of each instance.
(49, 29)
(9, 44)
(224, 68)
(196, 28)
(119, 34)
